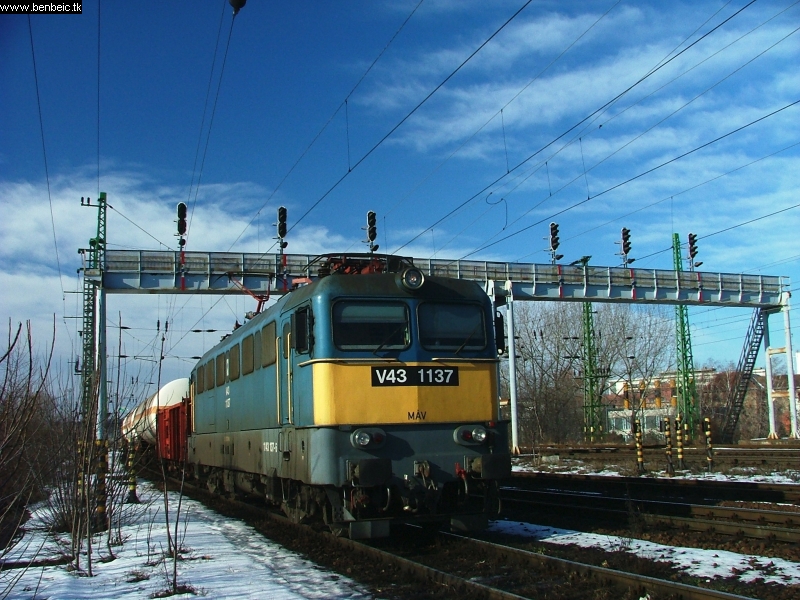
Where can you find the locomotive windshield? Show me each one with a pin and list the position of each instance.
(365, 325)
(444, 326)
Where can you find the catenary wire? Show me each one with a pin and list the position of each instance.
(494, 116)
(410, 114)
(684, 191)
(205, 103)
(573, 127)
(635, 177)
(324, 127)
(210, 127)
(46, 170)
(708, 235)
(583, 174)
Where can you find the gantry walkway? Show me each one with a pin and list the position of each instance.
(153, 272)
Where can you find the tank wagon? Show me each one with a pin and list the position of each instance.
(365, 397)
(141, 423)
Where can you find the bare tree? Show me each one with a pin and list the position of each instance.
(632, 343)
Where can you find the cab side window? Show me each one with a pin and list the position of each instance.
(301, 330)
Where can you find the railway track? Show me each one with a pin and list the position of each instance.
(698, 491)
(774, 525)
(724, 457)
(548, 576)
(448, 566)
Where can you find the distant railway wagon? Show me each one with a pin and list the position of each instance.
(140, 423)
(366, 397)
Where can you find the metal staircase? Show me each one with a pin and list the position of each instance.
(744, 373)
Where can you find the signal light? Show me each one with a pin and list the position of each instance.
(181, 218)
(372, 231)
(554, 236)
(626, 240)
(282, 222)
(692, 245)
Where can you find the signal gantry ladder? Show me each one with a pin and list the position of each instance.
(756, 332)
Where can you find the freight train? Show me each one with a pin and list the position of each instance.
(366, 397)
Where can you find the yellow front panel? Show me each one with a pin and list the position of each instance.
(343, 394)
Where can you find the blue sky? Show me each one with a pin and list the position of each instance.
(478, 170)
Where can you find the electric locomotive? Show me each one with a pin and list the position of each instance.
(365, 397)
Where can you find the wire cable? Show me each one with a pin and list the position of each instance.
(634, 178)
(205, 103)
(324, 127)
(500, 112)
(410, 114)
(46, 170)
(684, 191)
(210, 126)
(139, 227)
(573, 127)
(708, 235)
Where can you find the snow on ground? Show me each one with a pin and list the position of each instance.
(527, 464)
(229, 560)
(708, 564)
(224, 559)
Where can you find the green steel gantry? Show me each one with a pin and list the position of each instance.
(94, 260)
(684, 380)
(593, 417)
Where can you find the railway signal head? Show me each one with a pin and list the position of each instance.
(554, 242)
(181, 218)
(626, 240)
(692, 245)
(372, 231)
(281, 222)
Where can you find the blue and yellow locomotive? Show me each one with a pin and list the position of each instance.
(368, 396)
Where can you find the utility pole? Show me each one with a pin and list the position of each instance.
(592, 390)
(94, 376)
(94, 295)
(687, 393)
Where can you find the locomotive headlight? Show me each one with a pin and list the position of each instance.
(368, 438)
(412, 279)
(470, 435)
(479, 434)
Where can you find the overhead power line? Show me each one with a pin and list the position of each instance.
(205, 103)
(572, 128)
(708, 235)
(210, 126)
(500, 112)
(44, 155)
(410, 114)
(325, 126)
(634, 178)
